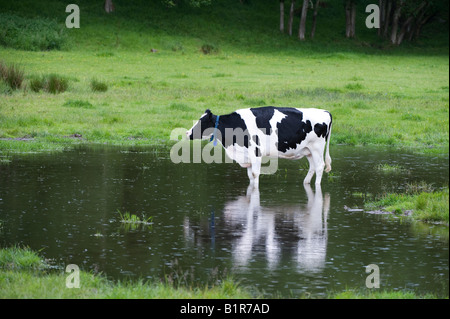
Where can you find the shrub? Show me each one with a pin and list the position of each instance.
(51, 83)
(12, 74)
(32, 34)
(37, 83)
(209, 48)
(56, 84)
(98, 86)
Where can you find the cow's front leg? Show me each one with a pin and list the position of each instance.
(256, 171)
(250, 175)
(253, 172)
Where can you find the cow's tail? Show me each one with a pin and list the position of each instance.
(327, 154)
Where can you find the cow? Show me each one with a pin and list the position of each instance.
(249, 134)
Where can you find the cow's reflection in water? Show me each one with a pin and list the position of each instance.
(296, 230)
(276, 235)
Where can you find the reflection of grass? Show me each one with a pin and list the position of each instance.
(388, 168)
(333, 176)
(362, 195)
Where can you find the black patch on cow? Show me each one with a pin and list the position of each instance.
(257, 152)
(292, 130)
(255, 139)
(234, 121)
(263, 116)
(202, 125)
(321, 129)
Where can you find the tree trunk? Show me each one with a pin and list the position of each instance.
(387, 19)
(282, 15)
(395, 19)
(408, 25)
(109, 6)
(313, 29)
(405, 28)
(353, 20)
(350, 18)
(382, 6)
(420, 19)
(302, 27)
(348, 13)
(291, 17)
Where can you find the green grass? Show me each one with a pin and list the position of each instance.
(425, 206)
(389, 96)
(127, 217)
(33, 34)
(26, 284)
(383, 294)
(16, 258)
(23, 274)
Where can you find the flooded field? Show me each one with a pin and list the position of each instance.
(204, 224)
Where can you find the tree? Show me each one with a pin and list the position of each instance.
(400, 19)
(303, 15)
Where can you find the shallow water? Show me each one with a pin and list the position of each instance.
(283, 239)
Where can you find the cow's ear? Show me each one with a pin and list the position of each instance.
(208, 112)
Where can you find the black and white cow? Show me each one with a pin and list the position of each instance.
(249, 134)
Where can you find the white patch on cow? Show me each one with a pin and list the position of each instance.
(241, 154)
(273, 137)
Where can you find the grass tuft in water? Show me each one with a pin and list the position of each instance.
(425, 206)
(127, 217)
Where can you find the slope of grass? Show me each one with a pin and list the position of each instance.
(389, 96)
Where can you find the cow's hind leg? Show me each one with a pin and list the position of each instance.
(319, 164)
(311, 170)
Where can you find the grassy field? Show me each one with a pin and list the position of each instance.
(388, 96)
(23, 274)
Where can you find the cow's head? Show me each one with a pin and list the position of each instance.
(203, 128)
